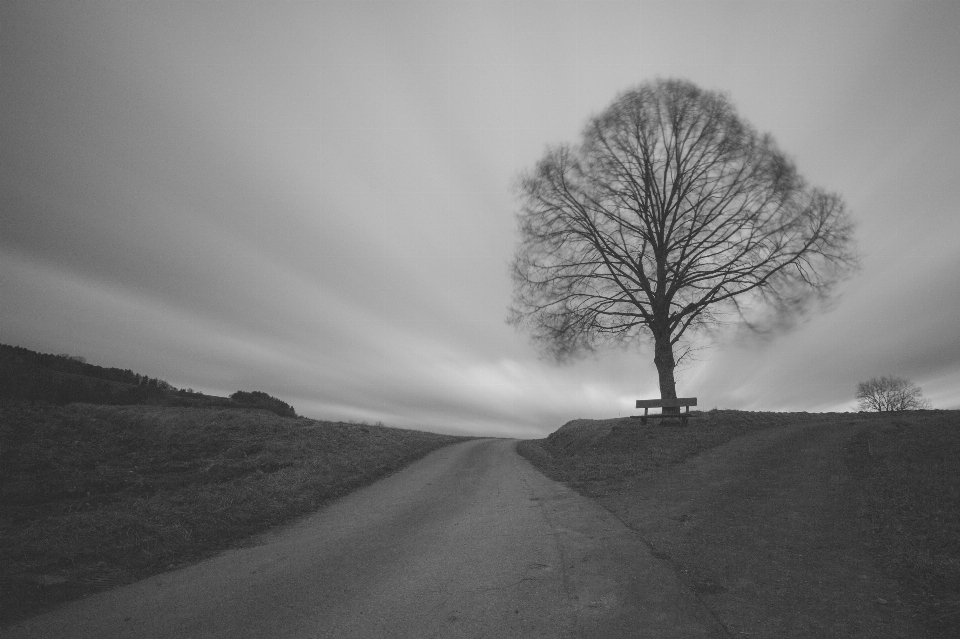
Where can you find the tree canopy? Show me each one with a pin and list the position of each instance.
(670, 216)
(259, 399)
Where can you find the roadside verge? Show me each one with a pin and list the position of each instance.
(776, 529)
(92, 497)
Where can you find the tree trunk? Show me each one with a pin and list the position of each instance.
(663, 358)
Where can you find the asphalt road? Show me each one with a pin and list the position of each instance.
(470, 541)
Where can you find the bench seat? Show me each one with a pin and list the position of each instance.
(647, 404)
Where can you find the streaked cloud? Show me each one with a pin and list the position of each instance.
(314, 199)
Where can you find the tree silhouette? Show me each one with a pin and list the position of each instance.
(671, 216)
(890, 394)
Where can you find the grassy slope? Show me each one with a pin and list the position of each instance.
(94, 496)
(594, 456)
(908, 475)
(788, 521)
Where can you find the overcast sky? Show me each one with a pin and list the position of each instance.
(316, 199)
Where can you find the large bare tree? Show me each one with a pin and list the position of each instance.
(671, 215)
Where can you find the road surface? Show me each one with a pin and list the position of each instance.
(470, 541)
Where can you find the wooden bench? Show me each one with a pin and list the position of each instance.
(647, 404)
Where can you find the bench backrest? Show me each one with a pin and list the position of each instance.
(666, 403)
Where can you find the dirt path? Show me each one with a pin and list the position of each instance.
(470, 541)
(764, 529)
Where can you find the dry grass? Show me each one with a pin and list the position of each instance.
(94, 496)
(594, 455)
(908, 473)
(779, 536)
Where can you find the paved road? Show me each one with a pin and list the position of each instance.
(470, 541)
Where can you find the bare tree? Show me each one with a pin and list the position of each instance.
(890, 394)
(671, 216)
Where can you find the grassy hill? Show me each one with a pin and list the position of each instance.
(93, 496)
(787, 525)
(63, 379)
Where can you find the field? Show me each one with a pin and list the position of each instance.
(94, 496)
(787, 525)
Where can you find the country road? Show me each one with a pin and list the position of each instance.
(470, 541)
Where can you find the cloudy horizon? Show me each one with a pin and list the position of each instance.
(316, 199)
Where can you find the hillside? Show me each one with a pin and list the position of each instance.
(787, 525)
(93, 496)
(63, 379)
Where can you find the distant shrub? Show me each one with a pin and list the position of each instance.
(883, 394)
(258, 399)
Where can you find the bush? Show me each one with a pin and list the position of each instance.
(884, 394)
(258, 399)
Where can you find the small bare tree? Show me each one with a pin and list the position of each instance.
(890, 394)
(670, 216)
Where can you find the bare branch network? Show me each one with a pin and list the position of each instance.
(888, 393)
(671, 215)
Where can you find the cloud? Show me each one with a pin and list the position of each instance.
(892, 320)
(315, 200)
